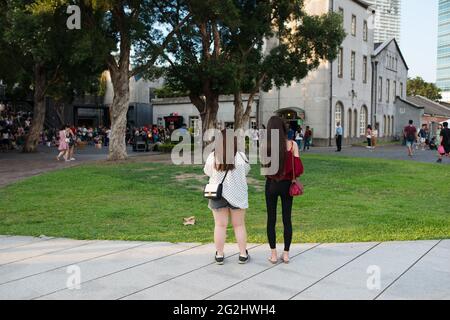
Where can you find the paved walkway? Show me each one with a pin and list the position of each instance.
(15, 165)
(389, 152)
(42, 268)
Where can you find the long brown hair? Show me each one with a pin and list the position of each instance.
(277, 123)
(221, 155)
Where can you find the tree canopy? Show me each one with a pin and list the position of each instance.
(419, 87)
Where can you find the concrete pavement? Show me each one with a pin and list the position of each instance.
(49, 268)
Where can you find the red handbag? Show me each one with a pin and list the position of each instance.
(297, 188)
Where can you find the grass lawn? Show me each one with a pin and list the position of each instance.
(346, 200)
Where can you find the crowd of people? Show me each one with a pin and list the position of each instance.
(150, 134)
(14, 126)
(426, 139)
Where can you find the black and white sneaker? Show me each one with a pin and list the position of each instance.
(244, 260)
(219, 260)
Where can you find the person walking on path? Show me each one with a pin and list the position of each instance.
(278, 185)
(339, 133)
(63, 144)
(445, 142)
(299, 137)
(72, 142)
(423, 136)
(369, 136)
(410, 134)
(234, 199)
(308, 137)
(374, 140)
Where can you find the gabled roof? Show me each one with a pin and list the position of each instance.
(431, 107)
(379, 47)
(364, 4)
(409, 103)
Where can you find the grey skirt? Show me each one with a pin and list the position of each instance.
(221, 203)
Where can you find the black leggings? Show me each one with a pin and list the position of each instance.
(275, 189)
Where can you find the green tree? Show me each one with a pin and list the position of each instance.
(419, 87)
(36, 39)
(129, 37)
(242, 46)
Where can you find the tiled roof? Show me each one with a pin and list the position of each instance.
(431, 107)
(380, 46)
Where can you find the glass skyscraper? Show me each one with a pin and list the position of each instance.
(387, 19)
(443, 60)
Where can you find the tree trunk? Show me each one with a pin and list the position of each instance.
(118, 111)
(37, 124)
(238, 111)
(208, 108)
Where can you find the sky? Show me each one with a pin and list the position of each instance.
(419, 37)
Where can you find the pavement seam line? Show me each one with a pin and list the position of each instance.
(47, 253)
(27, 243)
(261, 272)
(407, 269)
(336, 270)
(183, 274)
(77, 262)
(121, 270)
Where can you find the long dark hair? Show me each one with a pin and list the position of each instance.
(276, 123)
(220, 154)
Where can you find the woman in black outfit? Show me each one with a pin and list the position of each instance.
(278, 185)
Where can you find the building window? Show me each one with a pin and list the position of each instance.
(194, 122)
(365, 69)
(338, 115)
(388, 90)
(229, 125)
(363, 121)
(395, 90)
(353, 65)
(401, 89)
(253, 123)
(355, 119)
(341, 12)
(380, 89)
(354, 25)
(365, 31)
(340, 61)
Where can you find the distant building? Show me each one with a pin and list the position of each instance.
(181, 109)
(338, 91)
(404, 112)
(434, 112)
(142, 93)
(443, 51)
(389, 78)
(387, 22)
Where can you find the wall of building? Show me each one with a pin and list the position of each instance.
(313, 93)
(184, 108)
(353, 95)
(403, 113)
(390, 66)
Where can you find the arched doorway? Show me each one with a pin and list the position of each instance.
(355, 123)
(363, 121)
(339, 115)
(350, 123)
